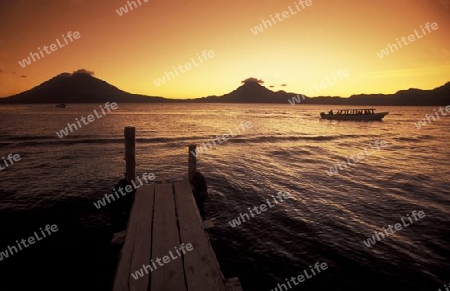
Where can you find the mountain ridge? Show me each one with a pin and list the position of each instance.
(84, 88)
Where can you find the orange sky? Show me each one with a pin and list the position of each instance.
(302, 50)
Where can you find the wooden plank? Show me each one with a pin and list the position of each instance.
(119, 238)
(136, 249)
(141, 253)
(166, 236)
(233, 284)
(207, 224)
(201, 267)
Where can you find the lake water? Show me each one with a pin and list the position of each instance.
(287, 148)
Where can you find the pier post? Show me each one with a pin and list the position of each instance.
(130, 152)
(192, 162)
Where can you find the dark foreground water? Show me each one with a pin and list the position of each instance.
(287, 149)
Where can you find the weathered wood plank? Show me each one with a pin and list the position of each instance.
(119, 238)
(166, 236)
(136, 249)
(233, 284)
(207, 224)
(141, 254)
(201, 266)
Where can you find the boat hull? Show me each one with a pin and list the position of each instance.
(361, 117)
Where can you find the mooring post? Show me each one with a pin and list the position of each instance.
(192, 162)
(130, 152)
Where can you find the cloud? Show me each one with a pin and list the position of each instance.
(253, 80)
(84, 71)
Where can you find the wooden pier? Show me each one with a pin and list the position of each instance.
(163, 217)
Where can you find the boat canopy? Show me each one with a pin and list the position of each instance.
(356, 111)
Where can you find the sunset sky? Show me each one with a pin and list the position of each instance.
(302, 50)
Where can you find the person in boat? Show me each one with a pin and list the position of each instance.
(331, 112)
(200, 191)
